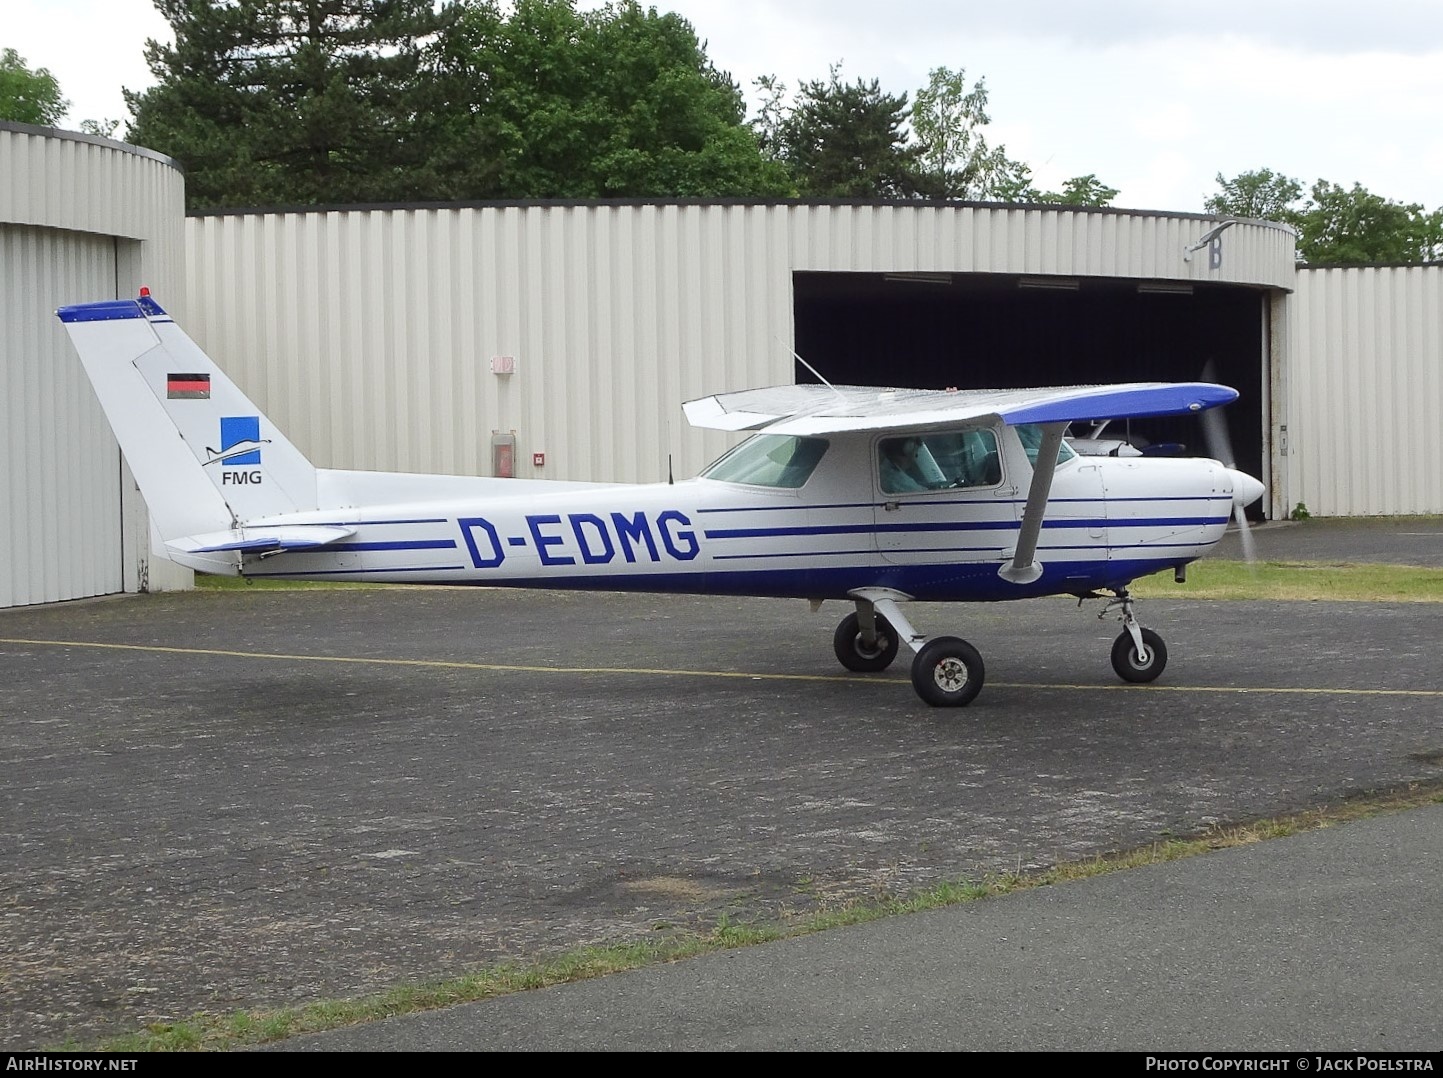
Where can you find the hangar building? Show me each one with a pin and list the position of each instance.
(558, 340)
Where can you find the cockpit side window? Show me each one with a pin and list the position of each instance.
(948, 460)
(769, 460)
(1031, 435)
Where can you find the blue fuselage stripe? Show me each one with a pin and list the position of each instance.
(410, 544)
(959, 526)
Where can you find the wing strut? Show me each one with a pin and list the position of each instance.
(1024, 567)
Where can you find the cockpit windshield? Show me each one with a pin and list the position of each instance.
(769, 460)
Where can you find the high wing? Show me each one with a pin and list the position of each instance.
(820, 409)
(823, 409)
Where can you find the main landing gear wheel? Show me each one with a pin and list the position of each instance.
(853, 652)
(1129, 667)
(948, 672)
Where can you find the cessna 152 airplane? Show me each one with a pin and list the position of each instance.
(875, 497)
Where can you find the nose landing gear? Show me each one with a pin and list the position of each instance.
(1138, 655)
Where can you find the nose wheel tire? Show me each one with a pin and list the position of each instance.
(948, 672)
(853, 652)
(1129, 667)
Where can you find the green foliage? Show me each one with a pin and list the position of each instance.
(103, 128)
(294, 101)
(1081, 191)
(849, 140)
(1016, 186)
(1355, 226)
(549, 102)
(1299, 582)
(1300, 512)
(26, 96)
(956, 161)
(1261, 195)
(1335, 225)
(271, 102)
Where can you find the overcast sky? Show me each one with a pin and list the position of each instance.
(1154, 96)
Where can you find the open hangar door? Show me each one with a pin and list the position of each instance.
(981, 331)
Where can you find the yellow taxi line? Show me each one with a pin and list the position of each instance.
(450, 664)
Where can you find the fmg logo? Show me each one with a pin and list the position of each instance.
(241, 433)
(240, 448)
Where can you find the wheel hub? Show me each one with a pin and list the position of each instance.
(872, 651)
(950, 674)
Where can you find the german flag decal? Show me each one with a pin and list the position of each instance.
(187, 386)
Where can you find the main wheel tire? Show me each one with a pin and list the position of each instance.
(856, 655)
(948, 672)
(1125, 660)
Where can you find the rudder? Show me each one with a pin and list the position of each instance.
(230, 465)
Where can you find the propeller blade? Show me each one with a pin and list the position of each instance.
(1215, 425)
(1246, 490)
(1220, 448)
(1245, 539)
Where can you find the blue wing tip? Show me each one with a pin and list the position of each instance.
(110, 310)
(1125, 401)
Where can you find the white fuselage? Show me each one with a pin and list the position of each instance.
(1108, 521)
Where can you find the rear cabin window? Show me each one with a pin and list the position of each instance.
(947, 461)
(769, 460)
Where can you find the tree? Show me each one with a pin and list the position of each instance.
(26, 96)
(1016, 186)
(1088, 190)
(550, 102)
(1261, 195)
(849, 141)
(293, 101)
(304, 101)
(1335, 225)
(947, 121)
(1355, 226)
(1430, 236)
(103, 128)
(771, 115)
(1080, 191)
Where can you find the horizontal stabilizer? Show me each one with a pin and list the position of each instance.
(260, 540)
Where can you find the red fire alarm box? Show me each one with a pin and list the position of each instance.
(538, 460)
(503, 454)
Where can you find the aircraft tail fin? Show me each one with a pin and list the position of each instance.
(205, 457)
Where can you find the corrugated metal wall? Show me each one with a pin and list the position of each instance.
(60, 531)
(1016, 239)
(368, 335)
(80, 219)
(1367, 388)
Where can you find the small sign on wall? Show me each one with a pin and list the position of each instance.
(503, 454)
